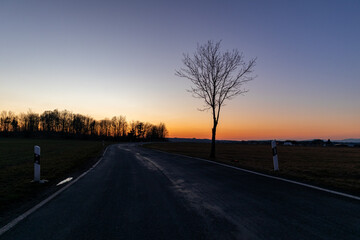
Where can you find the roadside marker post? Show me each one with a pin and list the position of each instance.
(275, 156)
(36, 164)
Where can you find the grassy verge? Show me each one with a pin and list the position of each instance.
(59, 159)
(336, 168)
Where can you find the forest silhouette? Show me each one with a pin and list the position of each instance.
(73, 125)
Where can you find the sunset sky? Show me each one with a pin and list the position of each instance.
(111, 58)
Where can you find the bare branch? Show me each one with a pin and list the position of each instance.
(216, 76)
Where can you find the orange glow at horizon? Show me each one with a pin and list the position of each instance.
(259, 130)
(249, 124)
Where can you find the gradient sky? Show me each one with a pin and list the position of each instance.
(110, 58)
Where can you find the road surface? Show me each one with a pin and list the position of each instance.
(136, 193)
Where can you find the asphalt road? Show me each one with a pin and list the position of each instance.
(135, 193)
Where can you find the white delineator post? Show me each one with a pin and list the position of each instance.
(36, 164)
(275, 156)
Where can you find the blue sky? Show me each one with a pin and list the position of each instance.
(106, 58)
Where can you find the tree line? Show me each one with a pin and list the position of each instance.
(67, 124)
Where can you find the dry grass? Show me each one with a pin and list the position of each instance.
(331, 167)
(59, 159)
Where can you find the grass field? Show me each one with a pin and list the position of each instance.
(59, 159)
(336, 168)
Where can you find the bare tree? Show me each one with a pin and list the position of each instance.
(115, 126)
(216, 77)
(65, 121)
(122, 126)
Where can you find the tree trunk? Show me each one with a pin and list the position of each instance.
(212, 153)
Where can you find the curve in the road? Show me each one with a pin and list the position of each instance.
(136, 193)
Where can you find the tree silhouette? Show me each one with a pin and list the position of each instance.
(5, 120)
(216, 77)
(65, 120)
(33, 121)
(123, 125)
(14, 124)
(140, 130)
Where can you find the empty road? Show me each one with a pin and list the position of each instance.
(136, 193)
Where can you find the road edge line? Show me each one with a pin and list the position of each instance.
(269, 176)
(18, 219)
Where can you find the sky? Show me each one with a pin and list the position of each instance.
(111, 58)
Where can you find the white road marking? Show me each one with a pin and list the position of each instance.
(11, 224)
(64, 181)
(269, 176)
